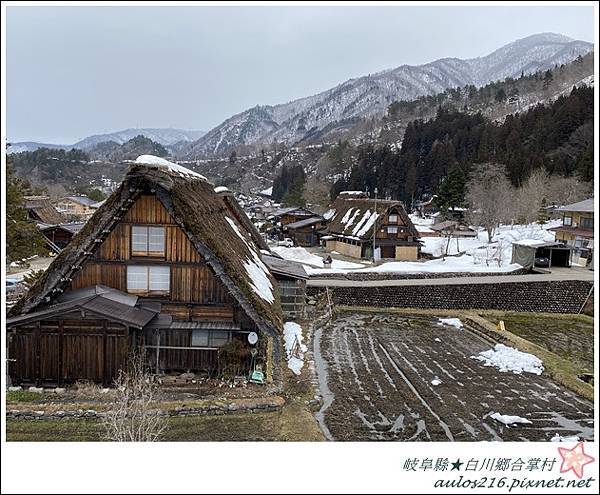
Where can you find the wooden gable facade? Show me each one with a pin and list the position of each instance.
(357, 219)
(146, 267)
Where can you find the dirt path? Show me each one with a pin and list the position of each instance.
(379, 369)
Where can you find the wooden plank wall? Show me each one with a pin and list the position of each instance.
(192, 281)
(59, 352)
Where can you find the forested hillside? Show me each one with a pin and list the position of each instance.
(557, 137)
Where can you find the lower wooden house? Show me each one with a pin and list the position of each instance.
(40, 209)
(307, 232)
(58, 236)
(360, 224)
(163, 267)
(291, 278)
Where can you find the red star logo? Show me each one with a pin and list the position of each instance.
(574, 459)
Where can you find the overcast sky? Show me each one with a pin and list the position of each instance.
(76, 71)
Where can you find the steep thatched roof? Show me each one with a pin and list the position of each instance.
(223, 241)
(355, 214)
(40, 208)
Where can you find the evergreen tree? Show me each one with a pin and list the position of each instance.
(288, 186)
(542, 213)
(23, 238)
(451, 193)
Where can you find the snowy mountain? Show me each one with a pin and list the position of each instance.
(164, 136)
(22, 146)
(370, 95)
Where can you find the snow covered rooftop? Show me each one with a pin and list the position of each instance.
(152, 161)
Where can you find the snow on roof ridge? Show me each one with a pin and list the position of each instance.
(351, 193)
(152, 161)
(220, 189)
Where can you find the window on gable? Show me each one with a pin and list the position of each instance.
(148, 279)
(147, 241)
(393, 218)
(392, 229)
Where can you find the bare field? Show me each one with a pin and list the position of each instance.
(379, 372)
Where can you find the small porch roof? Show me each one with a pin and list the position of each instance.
(103, 301)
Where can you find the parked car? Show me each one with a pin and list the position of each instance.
(287, 242)
(542, 262)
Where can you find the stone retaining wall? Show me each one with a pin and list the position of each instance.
(566, 296)
(365, 276)
(244, 406)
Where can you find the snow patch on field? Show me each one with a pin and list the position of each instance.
(509, 420)
(294, 348)
(559, 438)
(510, 359)
(452, 322)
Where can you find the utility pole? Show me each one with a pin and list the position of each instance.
(375, 225)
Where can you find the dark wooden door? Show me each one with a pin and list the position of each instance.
(388, 251)
(58, 352)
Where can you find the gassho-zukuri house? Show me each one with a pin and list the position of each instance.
(354, 219)
(165, 265)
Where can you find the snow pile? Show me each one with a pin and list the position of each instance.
(559, 438)
(301, 255)
(267, 192)
(294, 348)
(509, 420)
(459, 264)
(221, 189)
(452, 322)
(417, 220)
(436, 381)
(152, 161)
(255, 268)
(510, 359)
(439, 246)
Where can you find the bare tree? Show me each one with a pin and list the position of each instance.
(566, 190)
(489, 196)
(133, 416)
(531, 196)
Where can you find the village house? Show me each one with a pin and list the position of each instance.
(451, 228)
(306, 232)
(58, 236)
(40, 209)
(357, 218)
(292, 214)
(426, 208)
(77, 207)
(167, 266)
(577, 229)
